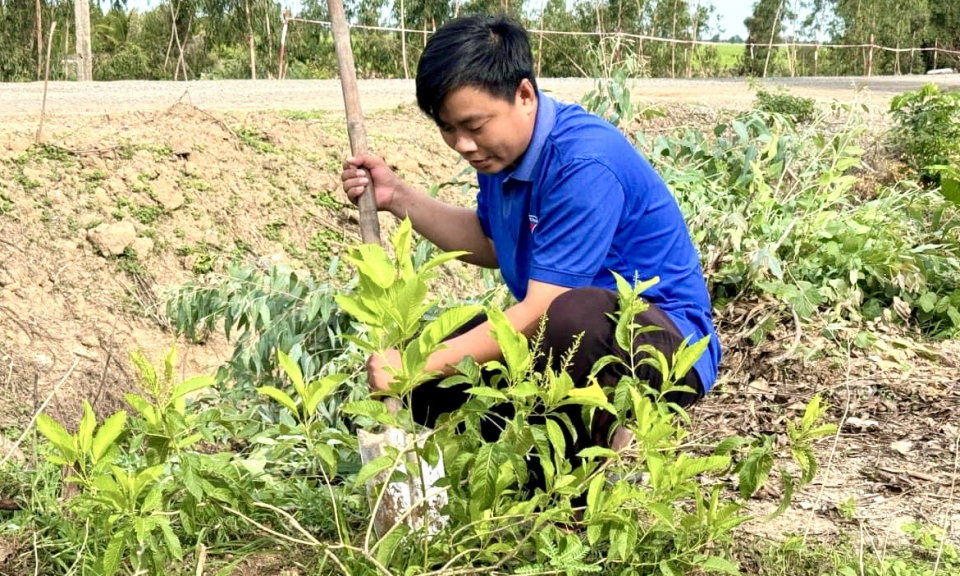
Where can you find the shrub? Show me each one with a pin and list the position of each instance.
(927, 128)
(796, 108)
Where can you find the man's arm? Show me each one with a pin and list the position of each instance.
(478, 343)
(449, 227)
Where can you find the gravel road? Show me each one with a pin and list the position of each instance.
(22, 101)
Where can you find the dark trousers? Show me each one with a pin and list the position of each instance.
(579, 311)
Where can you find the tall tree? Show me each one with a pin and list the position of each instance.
(764, 27)
(82, 29)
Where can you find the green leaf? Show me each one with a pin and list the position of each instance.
(718, 564)
(85, 432)
(787, 481)
(153, 500)
(447, 323)
(113, 553)
(483, 477)
(373, 263)
(110, 430)
(950, 188)
(728, 445)
(555, 434)
(372, 468)
(597, 452)
(486, 392)
(292, 370)
(192, 385)
(666, 569)
(368, 408)
(513, 344)
(663, 512)
(58, 436)
(173, 543)
(440, 259)
(280, 396)
(318, 391)
(388, 545)
(354, 307)
(755, 470)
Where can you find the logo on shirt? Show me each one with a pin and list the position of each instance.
(533, 222)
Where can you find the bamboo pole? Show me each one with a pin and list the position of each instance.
(46, 79)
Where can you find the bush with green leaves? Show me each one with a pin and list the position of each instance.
(795, 108)
(179, 472)
(262, 312)
(773, 208)
(592, 516)
(927, 128)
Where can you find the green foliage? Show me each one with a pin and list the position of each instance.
(927, 128)
(263, 313)
(774, 210)
(192, 465)
(799, 110)
(141, 488)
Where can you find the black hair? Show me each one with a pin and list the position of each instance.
(490, 53)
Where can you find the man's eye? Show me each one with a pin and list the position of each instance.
(475, 129)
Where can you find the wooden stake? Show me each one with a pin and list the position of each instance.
(39, 40)
(403, 42)
(46, 79)
(369, 223)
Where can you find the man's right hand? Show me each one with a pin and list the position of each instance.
(359, 170)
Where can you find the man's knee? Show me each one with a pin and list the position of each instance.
(578, 311)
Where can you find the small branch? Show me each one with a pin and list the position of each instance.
(797, 334)
(953, 486)
(46, 79)
(833, 450)
(37, 413)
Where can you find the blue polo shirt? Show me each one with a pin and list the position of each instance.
(582, 202)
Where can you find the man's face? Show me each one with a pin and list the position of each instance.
(490, 133)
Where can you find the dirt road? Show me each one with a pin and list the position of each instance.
(22, 101)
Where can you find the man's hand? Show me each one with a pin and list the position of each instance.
(377, 375)
(360, 170)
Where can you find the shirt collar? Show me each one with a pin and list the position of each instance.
(546, 119)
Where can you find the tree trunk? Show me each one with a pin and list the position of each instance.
(250, 40)
(403, 41)
(673, 45)
(39, 40)
(81, 13)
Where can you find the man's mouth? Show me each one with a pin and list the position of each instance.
(479, 162)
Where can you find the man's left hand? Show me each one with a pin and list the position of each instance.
(377, 375)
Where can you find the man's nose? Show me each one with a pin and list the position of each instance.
(464, 144)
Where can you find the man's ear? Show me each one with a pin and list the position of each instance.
(526, 94)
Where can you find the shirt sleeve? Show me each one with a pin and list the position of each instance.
(577, 219)
(483, 212)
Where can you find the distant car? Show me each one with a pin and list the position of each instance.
(941, 71)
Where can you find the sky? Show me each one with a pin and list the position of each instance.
(731, 13)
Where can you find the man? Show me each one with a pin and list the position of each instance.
(564, 200)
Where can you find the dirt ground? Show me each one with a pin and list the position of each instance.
(122, 206)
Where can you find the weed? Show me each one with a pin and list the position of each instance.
(271, 230)
(20, 178)
(327, 200)
(304, 114)
(199, 185)
(256, 140)
(129, 263)
(147, 214)
(799, 110)
(323, 240)
(93, 177)
(927, 128)
(6, 204)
